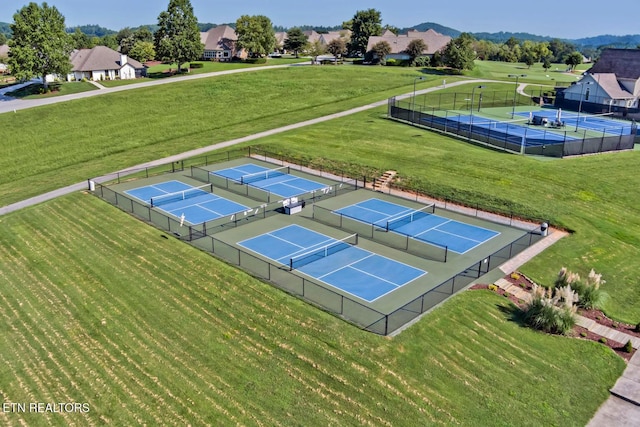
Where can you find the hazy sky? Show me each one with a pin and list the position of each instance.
(563, 19)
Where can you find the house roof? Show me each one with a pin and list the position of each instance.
(608, 82)
(624, 63)
(4, 50)
(312, 36)
(221, 37)
(434, 41)
(326, 38)
(281, 36)
(99, 58)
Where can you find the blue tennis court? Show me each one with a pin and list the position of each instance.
(177, 198)
(338, 263)
(428, 227)
(532, 135)
(277, 181)
(585, 121)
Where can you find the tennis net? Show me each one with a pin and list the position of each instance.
(322, 252)
(259, 176)
(403, 219)
(181, 195)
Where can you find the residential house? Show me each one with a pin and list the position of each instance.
(220, 44)
(103, 63)
(434, 41)
(611, 85)
(4, 55)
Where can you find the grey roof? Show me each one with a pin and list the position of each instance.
(99, 58)
(222, 37)
(434, 41)
(624, 63)
(327, 38)
(610, 85)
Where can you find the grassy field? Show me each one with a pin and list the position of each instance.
(50, 147)
(161, 71)
(98, 308)
(594, 196)
(556, 75)
(67, 88)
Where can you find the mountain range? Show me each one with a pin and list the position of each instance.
(627, 41)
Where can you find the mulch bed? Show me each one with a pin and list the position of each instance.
(578, 331)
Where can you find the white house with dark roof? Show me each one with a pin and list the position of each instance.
(612, 84)
(434, 41)
(220, 44)
(103, 63)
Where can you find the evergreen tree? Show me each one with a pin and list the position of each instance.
(40, 44)
(178, 38)
(296, 40)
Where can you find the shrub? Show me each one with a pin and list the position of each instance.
(589, 292)
(551, 311)
(603, 340)
(255, 61)
(628, 347)
(196, 65)
(390, 62)
(637, 328)
(515, 276)
(422, 61)
(358, 61)
(583, 334)
(506, 295)
(493, 288)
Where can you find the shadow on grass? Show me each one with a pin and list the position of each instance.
(36, 89)
(513, 313)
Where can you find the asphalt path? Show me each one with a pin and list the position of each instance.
(203, 150)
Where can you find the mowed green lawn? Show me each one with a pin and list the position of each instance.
(49, 147)
(594, 196)
(99, 308)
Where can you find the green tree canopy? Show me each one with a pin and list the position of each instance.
(381, 50)
(3, 39)
(296, 40)
(40, 45)
(573, 59)
(337, 47)
(459, 53)
(415, 48)
(81, 40)
(255, 35)
(364, 24)
(142, 51)
(178, 38)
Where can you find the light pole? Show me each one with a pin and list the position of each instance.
(471, 109)
(413, 100)
(515, 92)
(583, 84)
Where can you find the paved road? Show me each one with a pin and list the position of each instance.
(199, 151)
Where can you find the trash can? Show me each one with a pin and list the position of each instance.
(544, 229)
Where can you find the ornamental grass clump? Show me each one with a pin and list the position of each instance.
(589, 292)
(551, 310)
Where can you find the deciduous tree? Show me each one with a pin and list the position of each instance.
(337, 47)
(255, 35)
(178, 37)
(573, 59)
(40, 45)
(142, 51)
(381, 50)
(415, 48)
(365, 23)
(459, 53)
